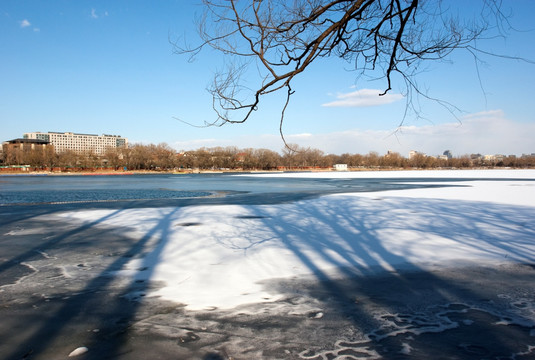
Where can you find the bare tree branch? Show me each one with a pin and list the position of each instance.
(274, 41)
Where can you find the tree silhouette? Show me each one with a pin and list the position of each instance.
(268, 43)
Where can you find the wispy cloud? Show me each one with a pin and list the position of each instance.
(25, 23)
(95, 15)
(485, 115)
(199, 143)
(363, 98)
(489, 132)
(301, 136)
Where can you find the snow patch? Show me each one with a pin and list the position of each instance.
(219, 256)
(78, 351)
(405, 349)
(22, 232)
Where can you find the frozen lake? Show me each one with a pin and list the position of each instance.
(375, 265)
(69, 189)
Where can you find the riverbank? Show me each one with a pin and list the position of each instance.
(233, 171)
(139, 172)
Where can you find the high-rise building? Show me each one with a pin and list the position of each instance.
(80, 142)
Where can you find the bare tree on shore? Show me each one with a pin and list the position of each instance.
(162, 157)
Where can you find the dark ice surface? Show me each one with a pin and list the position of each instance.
(160, 190)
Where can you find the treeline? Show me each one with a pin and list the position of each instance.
(162, 157)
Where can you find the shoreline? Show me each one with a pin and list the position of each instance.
(230, 171)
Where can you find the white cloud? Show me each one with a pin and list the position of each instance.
(482, 115)
(25, 23)
(94, 14)
(301, 136)
(267, 141)
(489, 132)
(199, 143)
(363, 98)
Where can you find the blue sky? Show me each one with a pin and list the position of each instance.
(108, 67)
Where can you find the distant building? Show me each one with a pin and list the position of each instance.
(340, 167)
(25, 144)
(414, 153)
(12, 151)
(79, 142)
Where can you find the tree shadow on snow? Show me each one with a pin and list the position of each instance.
(368, 296)
(71, 298)
(385, 288)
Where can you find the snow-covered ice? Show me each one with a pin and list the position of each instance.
(219, 256)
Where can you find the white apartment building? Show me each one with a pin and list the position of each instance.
(340, 167)
(80, 142)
